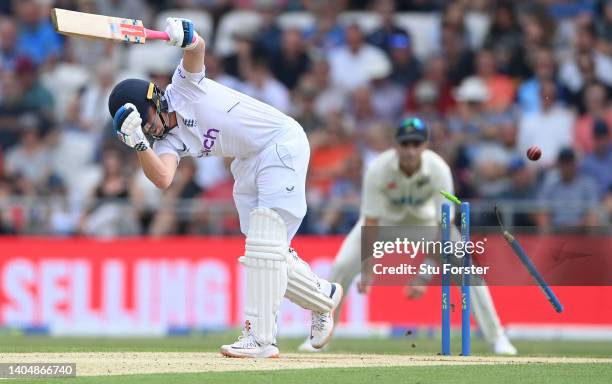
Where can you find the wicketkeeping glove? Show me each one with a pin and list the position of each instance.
(182, 33)
(127, 123)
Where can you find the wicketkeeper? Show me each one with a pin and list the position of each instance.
(196, 116)
(401, 188)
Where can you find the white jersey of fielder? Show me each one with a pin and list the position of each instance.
(214, 120)
(394, 198)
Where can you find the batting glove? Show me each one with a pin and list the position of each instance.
(181, 32)
(127, 123)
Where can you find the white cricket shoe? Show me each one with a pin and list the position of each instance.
(247, 346)
(307, 347)
(503, 346)
(322, 324)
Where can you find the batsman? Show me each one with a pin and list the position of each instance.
(197, 116)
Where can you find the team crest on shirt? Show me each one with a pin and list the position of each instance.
(422, 181)
(392, 185)
(413, 195)
(190, 122)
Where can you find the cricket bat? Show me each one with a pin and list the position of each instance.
(88, 25)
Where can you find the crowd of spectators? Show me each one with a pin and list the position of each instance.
(541, 75)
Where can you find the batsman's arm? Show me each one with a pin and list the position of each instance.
(159, 169)
(182, 34)
(193, 60)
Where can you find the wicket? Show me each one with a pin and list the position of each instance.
(447, 223)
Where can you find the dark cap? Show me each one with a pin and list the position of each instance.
(399, 40)
(600, 128)
(131, 91)
(412, 129)
(566, 155)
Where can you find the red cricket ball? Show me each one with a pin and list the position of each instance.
(534, 153)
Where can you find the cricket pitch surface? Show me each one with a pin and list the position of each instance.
(121, 363)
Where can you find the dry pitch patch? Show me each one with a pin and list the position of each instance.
(121, 363)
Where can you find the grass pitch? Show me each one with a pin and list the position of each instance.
(406, 360)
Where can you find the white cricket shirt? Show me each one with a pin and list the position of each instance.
(214, 120)
(394, 198)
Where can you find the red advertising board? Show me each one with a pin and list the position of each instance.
(147, 286)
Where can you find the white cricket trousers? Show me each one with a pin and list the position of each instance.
(274, 178)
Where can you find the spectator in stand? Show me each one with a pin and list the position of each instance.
(492, 158)
(454, 44)
(291, 61)
(387, 96)
(330, 148)
(597, 107)
(96, 92)
(29, 162)
(467, 125)
(551, 128)
(586, 67)
(453, 15)
(34, 96)
(112, 208)
(61, 217)
(406, 67)
(269, 34)
(361, 110)
(37, 39)
(341, 210)
(598, 163)
(522, 187)
(504, 37)
(327, 33)
(10, 109)
(603, 27)
(529, 93)
(382, 37)
(374, 141)
(305, 112)
(567, 198)
(426, 96)
(8, 44)
(436, 74)
(469, 121)
(239, 64)
(538, 30)
(176, 211)
(219, 193)
(357, 56)
(501, 87)
(263, 86)
(330, 99)
(216, 71)
(586, 62)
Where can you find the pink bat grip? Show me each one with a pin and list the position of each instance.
(156, 35)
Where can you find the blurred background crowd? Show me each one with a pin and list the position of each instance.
(490, 78)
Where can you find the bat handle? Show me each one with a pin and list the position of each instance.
(159, 35)
(156, 35)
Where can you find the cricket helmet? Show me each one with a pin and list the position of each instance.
(143, 94)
